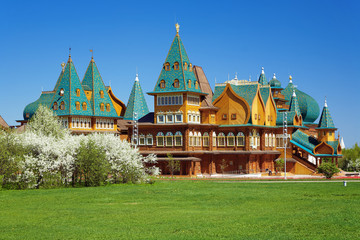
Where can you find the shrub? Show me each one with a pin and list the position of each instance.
(328, 169)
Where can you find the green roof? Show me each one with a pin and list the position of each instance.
(265, 93)
(334, 145)
(137, 103)
(93, 82)
(294, 105)
(305, 140)
(274, 83)
(326, 121)
(44, 99)
(262, 79)
(177, 54)
(309, 108)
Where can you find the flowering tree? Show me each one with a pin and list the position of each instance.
(53, 155)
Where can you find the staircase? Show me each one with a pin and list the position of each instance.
(305, 163)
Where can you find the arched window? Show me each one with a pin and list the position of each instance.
(214, 139)
(176, 83)
(101, 93)
(77, 104)
(141, 139)
(251, 139)
(189, 83)
(191, 139)
(206, 139)
(108, 107)
(169, 139)
(78, 92)
(197, 139)
(62, 92)
(176, 66)
(240, 139)
(230, 139)
(162, 84)
(160, 139)
(149, 139)
(185, 66)
(221, 139)
(102, 107)
(62, 106)
(273, 140)
(178, 139)
(190, 67)
(167, 66)
(266, 140)
(84, 106)
(196, 84)
(257, 140)
(55, 106)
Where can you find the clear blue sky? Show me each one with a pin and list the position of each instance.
(317, 42)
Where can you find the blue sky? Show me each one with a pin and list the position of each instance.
(317, 42)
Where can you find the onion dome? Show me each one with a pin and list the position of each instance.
(309, 108)
(274, 83)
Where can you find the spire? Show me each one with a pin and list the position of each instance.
(136, 103)
(177, 26)
(294, 104)
(262, 78)
(290, 79)
(177, 66)
(325, 119)
(93, 82)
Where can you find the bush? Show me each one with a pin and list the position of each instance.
(91, 167)
(328, 169)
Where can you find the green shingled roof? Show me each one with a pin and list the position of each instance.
(265, 93)
(137, 103)
(177, 54)
(305, 140)
(294, 105)
(274, 83)
(262, 79)
(93, 82)
(326, 121)
(44, 99)
(309, 108)
(334, 145)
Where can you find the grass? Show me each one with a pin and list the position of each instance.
(185, 210)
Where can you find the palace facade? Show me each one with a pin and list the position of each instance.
(238, 127)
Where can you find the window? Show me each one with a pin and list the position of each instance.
(224, 116)
(206, 139)
(251, 140)
(240, 139)
(167, 66)
(55, 106)
(169, 118)
(280, 143)
(142, 139)
(190, 67)
(178, 117)
(268, 117)
(214, 139)
(257, 139)
(101, 93)
(191, 139)
(212, 118)
(196, 84)
(160, 139)
(233, 116)
(62, 92)
(160, 119)
(330, 133)
(176, 66)
(149, 139)
(273, 140)
(162, 84)
(108, 107)
(221, 139)
(255, 116)
(198, 139)
(84, 106)
(102, 107)
(78, 92)
(77, 104)
(185, 66)
(266, 140)
(178, 139)
(231, 139)
(193, 100)
(169, 100)
(176, 83)
(62, 106)
(169, 139)
(189, 83)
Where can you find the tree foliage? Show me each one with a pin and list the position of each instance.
(172, 164)
(351, 159)
(327, 168)
(47, 155)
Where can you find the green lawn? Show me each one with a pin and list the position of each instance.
(185, 210)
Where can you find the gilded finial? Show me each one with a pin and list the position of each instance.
(69, 55)
(177, 26)
(63, 66)
(290, 79)
(92, 54)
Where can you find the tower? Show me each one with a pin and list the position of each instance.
(326, 128)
